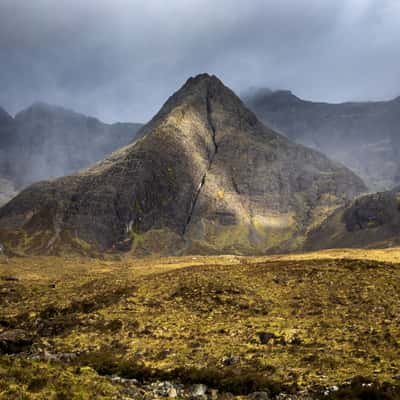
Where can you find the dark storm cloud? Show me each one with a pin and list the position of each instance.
(120, 59)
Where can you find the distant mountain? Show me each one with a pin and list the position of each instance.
(205, 177)
(7, 190)
(5, 118)
(363, 136)
(46, 141)
(369, 221)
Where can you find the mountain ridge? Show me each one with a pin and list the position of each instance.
(45, 140)
(364, 136)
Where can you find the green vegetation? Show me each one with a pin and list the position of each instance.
(236, 324)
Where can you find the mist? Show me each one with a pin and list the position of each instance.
(120, 60)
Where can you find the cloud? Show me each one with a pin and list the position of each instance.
(121, 59)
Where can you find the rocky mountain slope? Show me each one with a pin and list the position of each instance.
(369, 221)
(363, 136)
(205, 177)
(44, 141)
(7, 190)
(7, 187)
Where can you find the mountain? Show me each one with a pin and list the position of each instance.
(363, 136)
(205, 176)
(5, 117)
(369, 221)
(7, 190)
(45, 140)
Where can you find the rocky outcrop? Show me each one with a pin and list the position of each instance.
(14, 341)
(205, 177)
(369, 221)
(363, 136)
(46, 141)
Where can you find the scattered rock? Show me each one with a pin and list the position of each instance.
(43, 355)
(14, 341)
(49, 357)
(198, 390)
(330, 389)
(231, 360)
(259, 396)
(124, 381)
(266, 337)
(52, 285)
(298, 396)
(295, 340)
(9, 278)
(279, 281)
(166, 389)
(172, 393)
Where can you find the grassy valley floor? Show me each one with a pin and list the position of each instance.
(277, 324)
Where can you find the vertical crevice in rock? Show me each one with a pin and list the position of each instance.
(210, 162)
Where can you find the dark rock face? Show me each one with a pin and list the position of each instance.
(14, 341)
(205, 177)
(369, 221)
(363, 136)
(372, 211)
(266, 337)
(45, 141)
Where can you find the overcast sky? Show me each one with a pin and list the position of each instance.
(120, 59)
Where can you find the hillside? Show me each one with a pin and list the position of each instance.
(205, 177)
(46, 141)
(369, 221)
(364, 136)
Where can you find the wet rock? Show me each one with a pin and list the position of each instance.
(14, 341)
(266, 337)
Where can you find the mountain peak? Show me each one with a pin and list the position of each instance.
(200, 98)
(40, 109)
(202, 84)
(203, 78)
(277, 98)
(205, 84)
